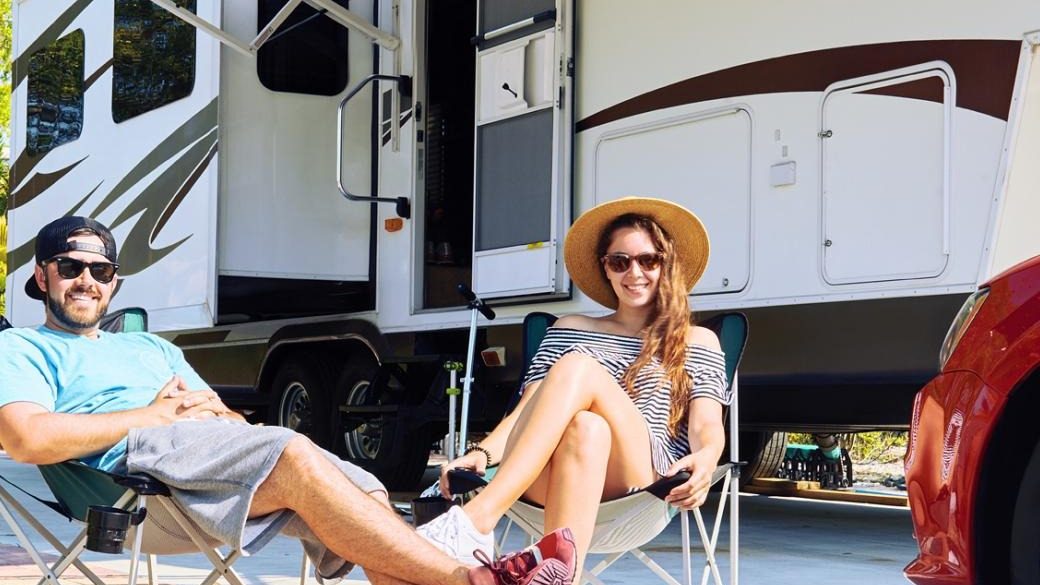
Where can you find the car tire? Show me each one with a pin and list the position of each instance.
(1025, 526)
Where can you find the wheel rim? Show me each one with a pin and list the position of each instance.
(294, 410)
(363, 441)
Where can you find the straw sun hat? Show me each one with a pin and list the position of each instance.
(582, 258)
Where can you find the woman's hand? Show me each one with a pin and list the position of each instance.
(475, 461)
(694, 492)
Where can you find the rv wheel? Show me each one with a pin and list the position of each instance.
(296, 384)
(383, 444)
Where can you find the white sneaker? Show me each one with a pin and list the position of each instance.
(454, 533)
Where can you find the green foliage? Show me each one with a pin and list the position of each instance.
(5, 121)
(876, 447)
(5, 76)
(3, 260)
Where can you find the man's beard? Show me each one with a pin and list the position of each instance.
(75, 321)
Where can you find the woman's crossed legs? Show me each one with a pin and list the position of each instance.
(578, 434)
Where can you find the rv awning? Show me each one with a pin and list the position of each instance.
(327, 7)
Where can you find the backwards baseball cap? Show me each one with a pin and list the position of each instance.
(53, 239)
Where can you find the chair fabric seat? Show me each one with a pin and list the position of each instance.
(621, 524)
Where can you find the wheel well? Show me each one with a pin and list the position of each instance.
(332, 352)
(1015, 436)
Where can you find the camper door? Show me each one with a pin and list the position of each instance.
(114, 116)
(523, 143)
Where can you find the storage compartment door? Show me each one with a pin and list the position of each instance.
(523, 138)
(885, 178)
(702, 162)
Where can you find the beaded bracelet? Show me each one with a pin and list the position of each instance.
(482, 450)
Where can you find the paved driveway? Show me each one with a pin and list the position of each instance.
(784, 541)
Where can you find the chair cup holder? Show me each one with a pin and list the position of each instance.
(107, 528)
(428, 508)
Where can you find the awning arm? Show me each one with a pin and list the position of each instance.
(334, 11)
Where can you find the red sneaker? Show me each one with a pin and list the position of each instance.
(550, 561)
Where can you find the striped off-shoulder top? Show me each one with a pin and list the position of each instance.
(706, 367)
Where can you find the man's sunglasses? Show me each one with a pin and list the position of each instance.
(622, 262)
(69, 268)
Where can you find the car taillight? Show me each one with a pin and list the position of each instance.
(960, 324)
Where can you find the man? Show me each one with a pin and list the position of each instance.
(130, 402)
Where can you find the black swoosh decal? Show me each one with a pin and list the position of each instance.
(35, 186)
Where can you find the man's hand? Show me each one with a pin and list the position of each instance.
(175, 401)
(694, 492)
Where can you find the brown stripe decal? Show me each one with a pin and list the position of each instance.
(985, 71)
(182, 193)
(38, 184)
(97, 74)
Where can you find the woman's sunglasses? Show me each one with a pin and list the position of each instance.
(69, 268)
(622, 262)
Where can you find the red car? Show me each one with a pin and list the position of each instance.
(973, 463)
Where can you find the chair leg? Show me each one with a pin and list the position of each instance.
(713, 543)
(709, 548)
(305, 565)
(221, 564)
(734, 526)
(70, 554)
(591, 575)
(152, 578)
(23, 538)
(653, 566)
(135, 557)
(48, 574)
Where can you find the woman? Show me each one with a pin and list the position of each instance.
(613, 403)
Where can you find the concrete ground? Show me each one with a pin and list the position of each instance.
(783, 541)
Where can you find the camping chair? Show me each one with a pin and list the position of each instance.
(76, 487)
(628, 523)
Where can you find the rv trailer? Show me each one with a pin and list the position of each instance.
(299, 185)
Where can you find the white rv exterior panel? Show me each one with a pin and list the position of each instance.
(884, 185)
(701, 161)
(281, 214)
(1016, 227)
(515, 271)
(151, 178)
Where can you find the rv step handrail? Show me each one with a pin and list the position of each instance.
(404, 85)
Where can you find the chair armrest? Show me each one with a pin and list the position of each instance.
(143, 485)
(661, 487)
(461, 481)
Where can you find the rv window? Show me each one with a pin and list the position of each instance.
(54, 113)
(310, 58)
(153, 58)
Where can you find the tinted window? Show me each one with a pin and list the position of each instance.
(153, 58)
(310, 58)
(54, 114)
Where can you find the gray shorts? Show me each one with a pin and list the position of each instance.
(213, 467)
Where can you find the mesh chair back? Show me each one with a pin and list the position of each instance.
(534, 328)
(128, 320)
(77, 487)
(732, 330)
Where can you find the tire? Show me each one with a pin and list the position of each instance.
(1025, 526)
(396, 454)
(297, 393)
(763, 452)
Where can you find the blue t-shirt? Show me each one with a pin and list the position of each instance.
(69, 373)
